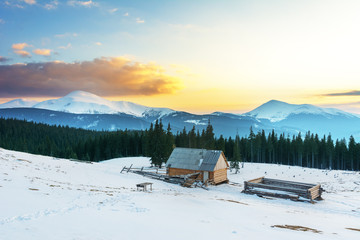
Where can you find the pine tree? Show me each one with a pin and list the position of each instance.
(251, 140)
(236, 159)
(299, 149)
(351, 153)
(192, 138)
(330, 151)
(209, 139)
(156, 145)
(220, 144)
(169, 143)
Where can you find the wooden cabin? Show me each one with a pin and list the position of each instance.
(211, 164)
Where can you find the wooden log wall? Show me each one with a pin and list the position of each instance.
(180, 171)
(219, 176)
(315, 192)
(300, 192)
(287, 183)
(257, 180)
(294, 189)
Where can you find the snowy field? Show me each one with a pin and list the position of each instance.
(48, 198)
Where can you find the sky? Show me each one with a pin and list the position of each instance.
(196, 56)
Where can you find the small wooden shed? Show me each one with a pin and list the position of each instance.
(211, 164)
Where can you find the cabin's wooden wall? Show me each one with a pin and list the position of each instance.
(221, 163)
(179, 171)
(219, 176)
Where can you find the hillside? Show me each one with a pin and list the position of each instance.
(44, 197)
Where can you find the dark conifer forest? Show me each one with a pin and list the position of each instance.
(157, 142)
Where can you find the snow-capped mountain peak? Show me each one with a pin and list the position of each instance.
(276, 111)
(84, 102)
(82, 96)
(18, 103)
(79, 102)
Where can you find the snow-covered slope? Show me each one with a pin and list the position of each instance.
(18, 103)
(79, 102)
(84, 102)
(49, 198)
(276, 111)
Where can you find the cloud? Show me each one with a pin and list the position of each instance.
(113, 10)
(7, 3)
(4, 59)
(98, 43)
(42, 52)
(20, 46)
(89, 3)
(66, 35)
(18, 49)
(22, 53)
(30, 2)
(52, 5)
(116, 76)
(126, 14)
(138, 20)
(350, 93)
(66, 47)
(2, 21)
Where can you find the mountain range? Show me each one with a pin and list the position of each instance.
(86, 110)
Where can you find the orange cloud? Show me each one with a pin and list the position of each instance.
(20, 46)
(103, 76)
(30, 2)
(42, 52)
(22, 53)
(18, 49)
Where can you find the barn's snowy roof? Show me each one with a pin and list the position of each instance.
(194, 159)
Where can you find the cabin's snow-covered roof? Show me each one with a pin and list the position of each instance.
(194, 159)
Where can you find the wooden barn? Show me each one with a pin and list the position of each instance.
(211, 164)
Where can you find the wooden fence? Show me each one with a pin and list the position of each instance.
(283, 189)
(188, 180)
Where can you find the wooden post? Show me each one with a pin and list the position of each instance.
(245, 186)
(129, 168)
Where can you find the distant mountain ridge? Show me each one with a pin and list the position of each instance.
(18, 103)
(80, 102)
(89, 111)
(276, 111)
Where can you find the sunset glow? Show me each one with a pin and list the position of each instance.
(196, 56)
